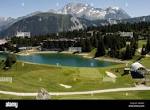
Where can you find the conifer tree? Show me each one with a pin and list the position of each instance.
(148, 45)
(100, 49)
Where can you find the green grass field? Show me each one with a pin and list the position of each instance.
(146, 62)
(141, 43)
(92, 53)
(12, 97)
(31, 77)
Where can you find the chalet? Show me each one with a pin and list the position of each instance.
(126, 34)
(109, 33)
(25, 48)
(23, 34)
(57, 44)
(92, 33)
(126, 71)
(75, 49)
(138, 70)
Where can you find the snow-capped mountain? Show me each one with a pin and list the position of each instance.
(78, 10)
(73, 16)
(92, 13)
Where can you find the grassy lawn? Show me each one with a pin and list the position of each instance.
(12, 97)
(31, 78)
(92, 53)
(146, 62)
(141, 43)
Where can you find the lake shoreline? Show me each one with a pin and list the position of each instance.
(84, 55)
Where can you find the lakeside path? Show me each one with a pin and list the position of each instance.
(85, 55)
(112, 60)
(35, 52)
(138, 88)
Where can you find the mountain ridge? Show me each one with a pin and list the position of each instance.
(52, 22)
(91, 13)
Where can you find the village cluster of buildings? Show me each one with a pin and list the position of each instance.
(122, 34)
(23, 34)
(71, 47)
(90, 33)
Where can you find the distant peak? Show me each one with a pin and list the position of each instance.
(77, 4)
(116, 8)
(113, 7)
(85, 10)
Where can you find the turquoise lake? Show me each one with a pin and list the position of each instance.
(62, 60)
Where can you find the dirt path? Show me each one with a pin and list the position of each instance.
(138, 88)
(113, 60)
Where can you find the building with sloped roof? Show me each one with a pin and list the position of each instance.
(138, 70)
(23, 34)
(126, 34)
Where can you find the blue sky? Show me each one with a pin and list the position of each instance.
(16, 8)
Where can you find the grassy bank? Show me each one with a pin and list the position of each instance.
(141, 43)
(30, 78)
(146, 62)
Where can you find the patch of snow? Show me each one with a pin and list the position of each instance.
(81, 10)
(115, 8)
(111, 75)
(77, 24)
(91, 13)
(65, 86)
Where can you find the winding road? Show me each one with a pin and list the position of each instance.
(138, 88)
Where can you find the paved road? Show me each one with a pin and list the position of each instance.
(80, 93)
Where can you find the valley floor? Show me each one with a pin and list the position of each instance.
(30, 78)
